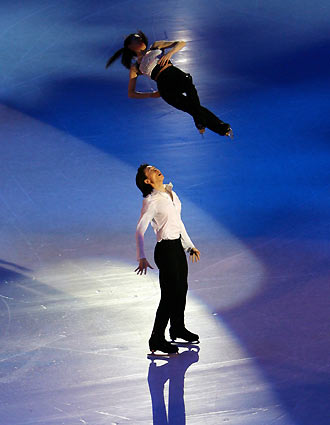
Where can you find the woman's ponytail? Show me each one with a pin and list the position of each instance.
(114, 57)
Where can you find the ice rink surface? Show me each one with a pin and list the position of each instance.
(75, 319)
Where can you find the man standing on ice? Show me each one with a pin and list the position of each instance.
(162, 207)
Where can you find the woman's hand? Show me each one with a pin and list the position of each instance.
(165, 59)
(195, 255)
(155, 94)
(143, 266)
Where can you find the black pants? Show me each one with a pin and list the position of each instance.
(177, 89)
(171, 261)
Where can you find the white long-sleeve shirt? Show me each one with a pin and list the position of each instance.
(165, 217)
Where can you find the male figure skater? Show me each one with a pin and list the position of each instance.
(162, 207)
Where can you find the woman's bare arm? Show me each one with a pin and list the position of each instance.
(132, 93)
(175, 46)
(161, 44)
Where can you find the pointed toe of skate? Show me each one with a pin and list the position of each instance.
(185, 335)
(160, 344)
(230, 134)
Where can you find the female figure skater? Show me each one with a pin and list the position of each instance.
(174, 86)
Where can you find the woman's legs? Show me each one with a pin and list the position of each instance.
(178, 90)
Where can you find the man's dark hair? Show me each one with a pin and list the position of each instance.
(146, 189)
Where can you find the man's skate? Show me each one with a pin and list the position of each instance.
(160, 344)
(184, 334)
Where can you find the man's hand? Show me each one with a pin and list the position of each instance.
(195, 255)
(143, 266)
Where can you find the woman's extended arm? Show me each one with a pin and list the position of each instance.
(132, 84)
(178, 45)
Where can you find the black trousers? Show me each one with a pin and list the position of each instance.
(177, 89)
(171, 261)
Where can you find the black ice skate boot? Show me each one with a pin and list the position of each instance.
(160, 344)
(226, 130)
(183, 334)
(200, 128)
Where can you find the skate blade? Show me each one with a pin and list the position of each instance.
(154, 355)
(230, 134)
(184, 343)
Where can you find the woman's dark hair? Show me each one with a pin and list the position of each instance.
(127, 54)
(146, 189)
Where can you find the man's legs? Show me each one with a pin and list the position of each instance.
(173, 271)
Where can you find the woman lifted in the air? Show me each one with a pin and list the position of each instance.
(174, 86)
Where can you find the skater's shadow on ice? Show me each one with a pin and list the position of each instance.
(13, 265)
(11, 272)
(172, 371)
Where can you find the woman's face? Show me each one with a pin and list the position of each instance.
(137, 45)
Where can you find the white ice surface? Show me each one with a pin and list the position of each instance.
(75, 319)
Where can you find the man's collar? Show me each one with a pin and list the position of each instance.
(168, 188)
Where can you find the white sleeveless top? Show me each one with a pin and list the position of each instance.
(149, 61)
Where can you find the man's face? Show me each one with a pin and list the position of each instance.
(154, 177)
